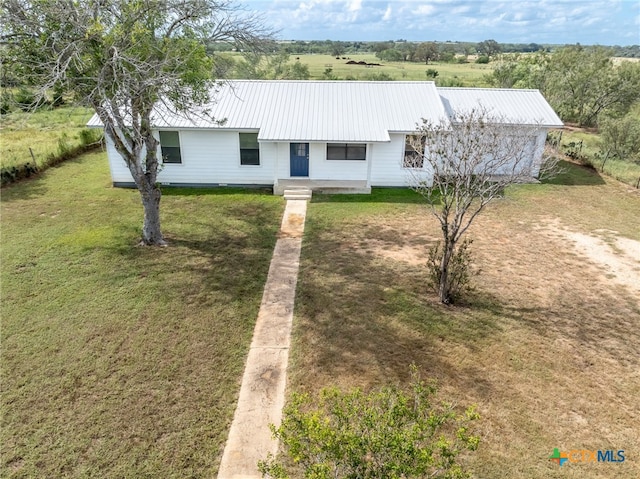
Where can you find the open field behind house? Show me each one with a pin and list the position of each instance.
(470, 74)
(41, 131)
(117, 360)
(547, 347)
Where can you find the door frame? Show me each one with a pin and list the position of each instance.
(298, 157)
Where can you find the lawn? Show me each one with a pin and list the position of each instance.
(39, 134)
(547, 346)
(117, 360)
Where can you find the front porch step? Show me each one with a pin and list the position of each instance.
(297, 194)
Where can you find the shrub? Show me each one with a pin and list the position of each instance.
(451, 82)
(6, 103)
(573, 150)
(388, 433)
(89, 136)
(381, 76)
(460, 268)
(431, 73)
(483, 59)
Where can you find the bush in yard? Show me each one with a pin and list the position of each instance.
(460, 269)
(388, 433)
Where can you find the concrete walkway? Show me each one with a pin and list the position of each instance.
(263, 384)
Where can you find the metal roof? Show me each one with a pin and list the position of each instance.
(346, 111)
(513, 106)
(337, 111)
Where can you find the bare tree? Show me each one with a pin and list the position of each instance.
(124, 59)
(460, 165)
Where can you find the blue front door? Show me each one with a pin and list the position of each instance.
(299, 159)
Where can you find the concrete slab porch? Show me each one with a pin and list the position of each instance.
(322, 186)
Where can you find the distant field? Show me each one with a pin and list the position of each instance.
(41, 132)
(469, 73)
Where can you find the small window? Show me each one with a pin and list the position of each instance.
(412, 159)
(170, 146)
(249, 149)
(347, 151)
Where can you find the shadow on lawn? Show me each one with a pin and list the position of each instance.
(234, 258)
(378, 195)
(572, 174)
(216, 191)
(367, 319)
(25, 189)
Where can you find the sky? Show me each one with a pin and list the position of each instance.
(589, 22)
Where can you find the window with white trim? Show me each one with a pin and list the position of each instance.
(347, 151)
(412, 159)
(249, 149)
(170, 147)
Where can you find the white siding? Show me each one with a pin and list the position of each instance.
(538, 152)
(283, 154)
(386, 166)
(208, 157)
(119, 169)
(322, 169)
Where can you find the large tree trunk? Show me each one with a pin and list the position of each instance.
(151, 232)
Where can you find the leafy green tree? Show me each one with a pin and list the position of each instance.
(582, 83)
(255, 65)
(299, 71)
(407, 49)
(337, 49)
(426, 52)
(387, 434)
(488, 48)
(620, 138)
(390, 55)
(124, 58)
(520, 71)
(380, 46)
(447, 53)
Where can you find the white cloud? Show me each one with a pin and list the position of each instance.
(387, 14)
(460, 9)
(424, 10)
(540, 21)
(355, 5)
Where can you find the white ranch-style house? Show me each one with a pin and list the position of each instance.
(348, 134)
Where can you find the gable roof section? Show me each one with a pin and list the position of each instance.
(512, 106)
(335, 111)
(348, 111)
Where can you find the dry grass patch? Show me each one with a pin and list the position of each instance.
(547, 347)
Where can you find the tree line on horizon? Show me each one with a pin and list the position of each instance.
(406, 49)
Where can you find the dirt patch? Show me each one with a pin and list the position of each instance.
(614, 257)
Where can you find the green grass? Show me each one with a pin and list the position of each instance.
(117, 360)
(546, 346)
(39, 131)
(625, 171)
(470, 74)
